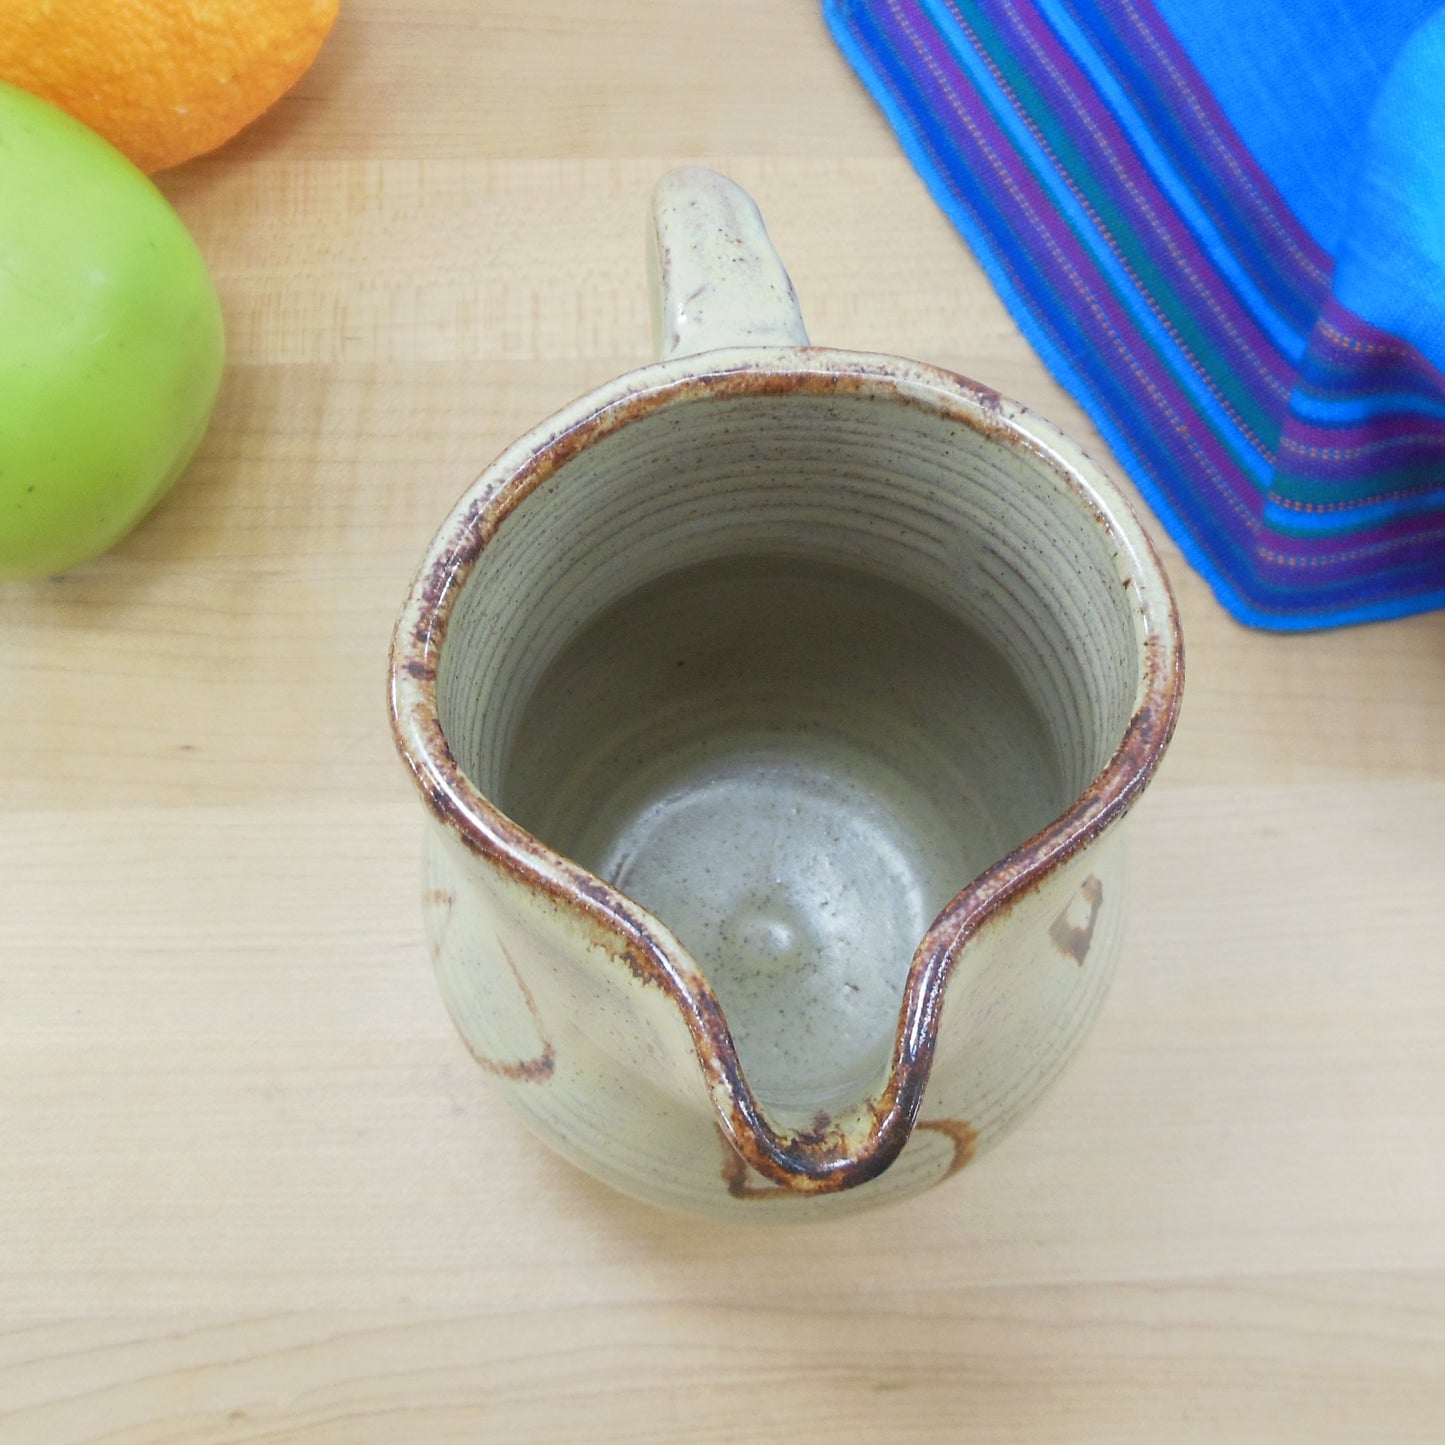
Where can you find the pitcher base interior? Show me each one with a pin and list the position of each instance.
(794, 767)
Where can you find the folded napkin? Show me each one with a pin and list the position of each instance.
(1221, 224)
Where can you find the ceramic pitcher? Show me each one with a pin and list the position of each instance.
(775, 709)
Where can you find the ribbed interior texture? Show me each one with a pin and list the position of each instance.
(901, 493)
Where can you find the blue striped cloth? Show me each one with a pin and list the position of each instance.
(1221, 223)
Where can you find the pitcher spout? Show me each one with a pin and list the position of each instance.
(832, 1151)
(795, 1148)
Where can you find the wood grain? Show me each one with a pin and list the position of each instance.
(253, 1189)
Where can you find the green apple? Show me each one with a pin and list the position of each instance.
(110, 341)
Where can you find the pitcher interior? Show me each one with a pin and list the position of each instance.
(790, 670)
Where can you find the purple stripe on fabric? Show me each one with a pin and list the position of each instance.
(1171, 245)
(1399, 545)
(1410, 437)
(1350, 340)
(1303, 265)
(1365, 456)
(1069, 268)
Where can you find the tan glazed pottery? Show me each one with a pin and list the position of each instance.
(776, 709)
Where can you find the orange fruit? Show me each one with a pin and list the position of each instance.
(162, 80)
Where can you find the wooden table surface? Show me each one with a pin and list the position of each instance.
(251, 1185)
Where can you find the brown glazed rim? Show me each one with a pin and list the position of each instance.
(833, 1154)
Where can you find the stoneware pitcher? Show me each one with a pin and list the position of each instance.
(776, 709)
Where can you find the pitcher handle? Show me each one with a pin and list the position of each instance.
(715, 279)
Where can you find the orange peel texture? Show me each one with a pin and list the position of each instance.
(161, 80)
